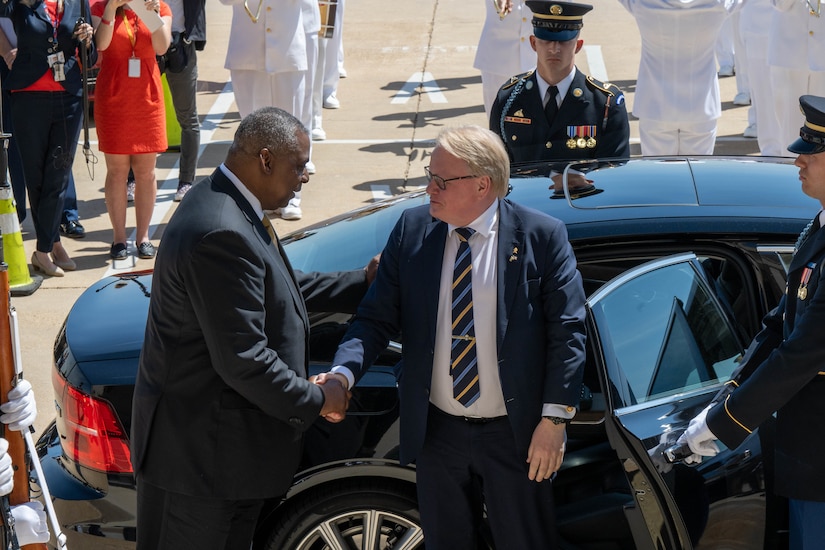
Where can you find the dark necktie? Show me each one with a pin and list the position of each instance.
(463, 360)
(269, 228)
(550, 106)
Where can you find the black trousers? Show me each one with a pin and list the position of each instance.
(172, 521)
(46, 127)
(464, 467)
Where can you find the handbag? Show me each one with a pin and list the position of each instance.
(178, 56)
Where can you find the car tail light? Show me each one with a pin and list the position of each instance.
(91, 433)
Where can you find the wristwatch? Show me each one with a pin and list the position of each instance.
(557, 419)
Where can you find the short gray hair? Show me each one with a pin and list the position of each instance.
(482, 150)
(268, 127)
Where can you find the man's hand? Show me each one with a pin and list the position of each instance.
(372, 268)
(30, 523)
(699, 438)
(20, 410)
(336, 395)
(546, 450)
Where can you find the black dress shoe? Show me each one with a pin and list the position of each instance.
(73, 230)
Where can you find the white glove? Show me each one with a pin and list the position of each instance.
(6, 469)
(699, 437)
(30, 523)
(20, 410)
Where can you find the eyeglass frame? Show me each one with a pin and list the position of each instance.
(440, 182)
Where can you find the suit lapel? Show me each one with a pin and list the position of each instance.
(509, 260)
(274, 250)
(432, 258)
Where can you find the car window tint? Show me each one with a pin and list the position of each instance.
(666, 334)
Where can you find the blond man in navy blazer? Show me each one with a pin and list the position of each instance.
(501, 450)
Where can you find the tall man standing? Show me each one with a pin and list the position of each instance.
(556, 112)
(490, 307)
(786, 364)
(221, 397)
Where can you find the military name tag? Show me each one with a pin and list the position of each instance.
(518, 120)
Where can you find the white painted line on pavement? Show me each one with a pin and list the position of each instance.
(166, 191)
(428, 85)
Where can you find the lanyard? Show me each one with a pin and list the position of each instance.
(55, 13)
(131, 32)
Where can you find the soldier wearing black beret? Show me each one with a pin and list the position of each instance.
(555, 112)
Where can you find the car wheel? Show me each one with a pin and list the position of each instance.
(351, 515)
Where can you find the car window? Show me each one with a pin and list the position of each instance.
(664, 334)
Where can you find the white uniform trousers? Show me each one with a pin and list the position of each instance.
(256, 89)
(788, 85)
(762, 103)
(661, 137)
(491, 83)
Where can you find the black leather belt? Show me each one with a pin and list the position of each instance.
(467, 419)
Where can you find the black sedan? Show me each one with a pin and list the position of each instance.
(680, 258)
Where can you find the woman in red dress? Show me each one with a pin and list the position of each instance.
(129, 112)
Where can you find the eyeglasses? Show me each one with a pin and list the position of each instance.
(440, 182)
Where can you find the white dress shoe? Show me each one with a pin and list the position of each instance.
(750, 131)
(310, 167)
(742, 98)
(726, 70)
(318, 134)
(331, 102)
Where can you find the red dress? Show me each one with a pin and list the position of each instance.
(130, 116)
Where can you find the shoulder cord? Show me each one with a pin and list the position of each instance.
(510, 100)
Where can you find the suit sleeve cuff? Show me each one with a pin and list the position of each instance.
(562, 411)
(338, 369)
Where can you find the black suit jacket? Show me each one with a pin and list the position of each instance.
(789, 378)
(590, 109)
(540, 332)
(34, 29)
(221, 397)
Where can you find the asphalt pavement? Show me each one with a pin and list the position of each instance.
(377, 142)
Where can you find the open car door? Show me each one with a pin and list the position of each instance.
(665, 347)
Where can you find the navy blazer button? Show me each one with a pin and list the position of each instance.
(296, 421)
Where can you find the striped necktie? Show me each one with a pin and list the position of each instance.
(463, 360)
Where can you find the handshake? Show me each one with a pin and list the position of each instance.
(336, 395)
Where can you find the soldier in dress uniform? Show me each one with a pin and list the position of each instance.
(580, 117)
(783, 370)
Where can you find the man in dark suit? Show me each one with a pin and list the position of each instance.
(784, 368)
(221, 397)
(555, 112)
(486, 387)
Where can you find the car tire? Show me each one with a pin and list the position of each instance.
(341, 516)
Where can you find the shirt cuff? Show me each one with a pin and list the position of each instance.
(552, 409)
(338, 369)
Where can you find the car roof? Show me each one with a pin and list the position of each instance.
(698, 194)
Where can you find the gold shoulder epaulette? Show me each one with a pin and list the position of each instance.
(605, 87)
(515, 79)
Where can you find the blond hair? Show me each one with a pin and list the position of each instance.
(483, 152)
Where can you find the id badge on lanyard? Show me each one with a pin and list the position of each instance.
(134, 61)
